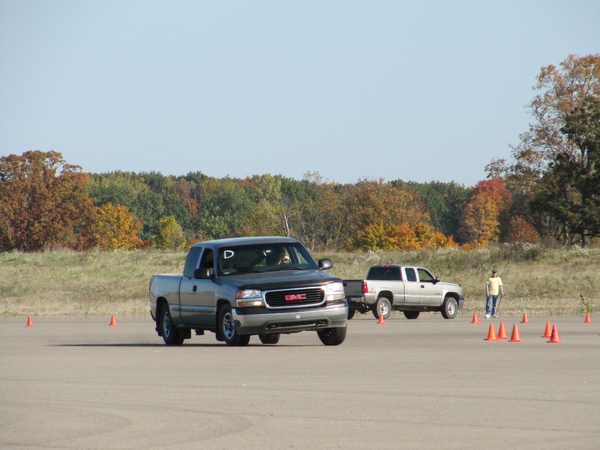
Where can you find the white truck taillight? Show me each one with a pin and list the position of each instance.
(365, 288)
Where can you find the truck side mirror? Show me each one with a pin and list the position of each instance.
(325, 264)
(437, 280)
(202, 274)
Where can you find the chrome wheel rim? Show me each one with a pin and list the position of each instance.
(228, 326)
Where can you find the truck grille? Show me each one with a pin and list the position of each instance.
(294, 298)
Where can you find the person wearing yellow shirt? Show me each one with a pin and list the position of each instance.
(493, 288)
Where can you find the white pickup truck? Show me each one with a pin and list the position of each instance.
(403, 288)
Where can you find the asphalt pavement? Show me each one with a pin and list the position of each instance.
(430, 383)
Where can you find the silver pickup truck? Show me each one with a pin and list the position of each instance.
(240, 287)
(402, 288)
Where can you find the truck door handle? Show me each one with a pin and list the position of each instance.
(195, 288)
(423, 286)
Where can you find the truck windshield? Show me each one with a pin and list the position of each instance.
(263, 258)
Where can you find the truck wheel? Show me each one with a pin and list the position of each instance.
(449, 308)
(227, 328)
(383, 306)
(411, 314)
(170, 333)
(351, 312)
(269, 338)
(332, 336)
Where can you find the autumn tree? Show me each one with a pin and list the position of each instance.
(118, 228)
(481, 215)
(44, 203)
(554, 165)
(170, 235)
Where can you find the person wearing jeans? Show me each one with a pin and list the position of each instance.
(493, 288)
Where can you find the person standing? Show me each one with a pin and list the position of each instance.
(493, 288)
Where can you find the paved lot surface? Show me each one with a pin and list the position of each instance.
(75, 382)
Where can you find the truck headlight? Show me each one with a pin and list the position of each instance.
(249, 297)
(334, 291)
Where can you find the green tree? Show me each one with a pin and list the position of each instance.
(550, 150)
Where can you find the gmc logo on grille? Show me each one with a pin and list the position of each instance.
(292, 297)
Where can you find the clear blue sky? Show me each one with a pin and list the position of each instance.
(420, 91)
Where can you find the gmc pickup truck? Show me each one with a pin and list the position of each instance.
(402, 288)
(241, 287)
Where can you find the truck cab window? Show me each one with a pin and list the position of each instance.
(425, 276)
(208, 261)
(191, 263)
(411, 275)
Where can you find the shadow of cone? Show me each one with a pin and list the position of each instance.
(515, 334)
(548, 331)
(554, 339)
(29, 321)
(474, 318)
(381, 321)
(525, 319)
(113, 321)
(588, 319)
(502, 332)
(491, 334)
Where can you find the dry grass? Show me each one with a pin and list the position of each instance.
(537, 281)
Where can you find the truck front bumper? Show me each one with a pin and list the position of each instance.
(249, 321)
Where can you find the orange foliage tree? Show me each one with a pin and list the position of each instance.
(117, 228)
(44, 204)
(388, 218)
(480, 223)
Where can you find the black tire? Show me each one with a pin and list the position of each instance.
(351, 312)
(332, 336)
(411, 315)
(269, 339)
(450, 308)
(228, 330)
(169, 331)
(384, 306)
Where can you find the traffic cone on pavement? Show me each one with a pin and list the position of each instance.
(491, 334)
(113, 321)
(474, 318)
(554, 339)
(515, 334)
(29, 321)
(588, 319)
(381, 321)
(502, 332)
(548, 331)
(525, 319)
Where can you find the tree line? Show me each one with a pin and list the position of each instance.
(549, 190)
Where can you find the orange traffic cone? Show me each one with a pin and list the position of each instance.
(554, 339)
(502, 332)
(491, 334)
(381, 321)
(515, 334)
(29, 321)
(474, 318)
(588, 319)
(548, 331)
(113, 322)
(525, 319)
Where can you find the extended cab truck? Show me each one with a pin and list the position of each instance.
(403, 288)
(240, 287)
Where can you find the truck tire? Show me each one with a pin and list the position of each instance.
(169, 331)
(449, 308)
(228, 331)
(382, 306)
(269, 338)
(351, 312)
(411, 314)
(332, 336)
